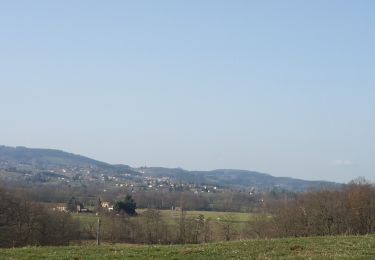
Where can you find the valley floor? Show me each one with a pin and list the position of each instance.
(340, 247)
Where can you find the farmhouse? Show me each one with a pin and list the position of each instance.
(60, 207)
(107, 205)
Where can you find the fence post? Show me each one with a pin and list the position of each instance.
(98, 233)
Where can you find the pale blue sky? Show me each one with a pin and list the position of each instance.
(283, 87)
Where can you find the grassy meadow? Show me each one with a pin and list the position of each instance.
(237, 217)
(237, 220)
(339, 247)
(172, 216)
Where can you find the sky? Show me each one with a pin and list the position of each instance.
(281, 87)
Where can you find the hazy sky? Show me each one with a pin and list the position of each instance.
(283, 87)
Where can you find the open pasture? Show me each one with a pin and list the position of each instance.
(340, 247)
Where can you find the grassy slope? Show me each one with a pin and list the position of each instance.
(361, 247)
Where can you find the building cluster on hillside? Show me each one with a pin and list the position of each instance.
(134, 182)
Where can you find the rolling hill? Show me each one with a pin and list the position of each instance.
(50, 163)
(237, 179)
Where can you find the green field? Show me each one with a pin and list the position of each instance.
(342, 247)
(238, 221)
(172, 217)
(169, 215)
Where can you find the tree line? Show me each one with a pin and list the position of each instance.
(23, 222)
(228, 200)
(347, 211)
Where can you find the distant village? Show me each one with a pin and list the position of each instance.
(76, 176)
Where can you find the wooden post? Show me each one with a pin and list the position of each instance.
(98, 233)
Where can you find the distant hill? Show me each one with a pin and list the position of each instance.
(44, 157)
(44, 161)
(238, 179)
(55, 163)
